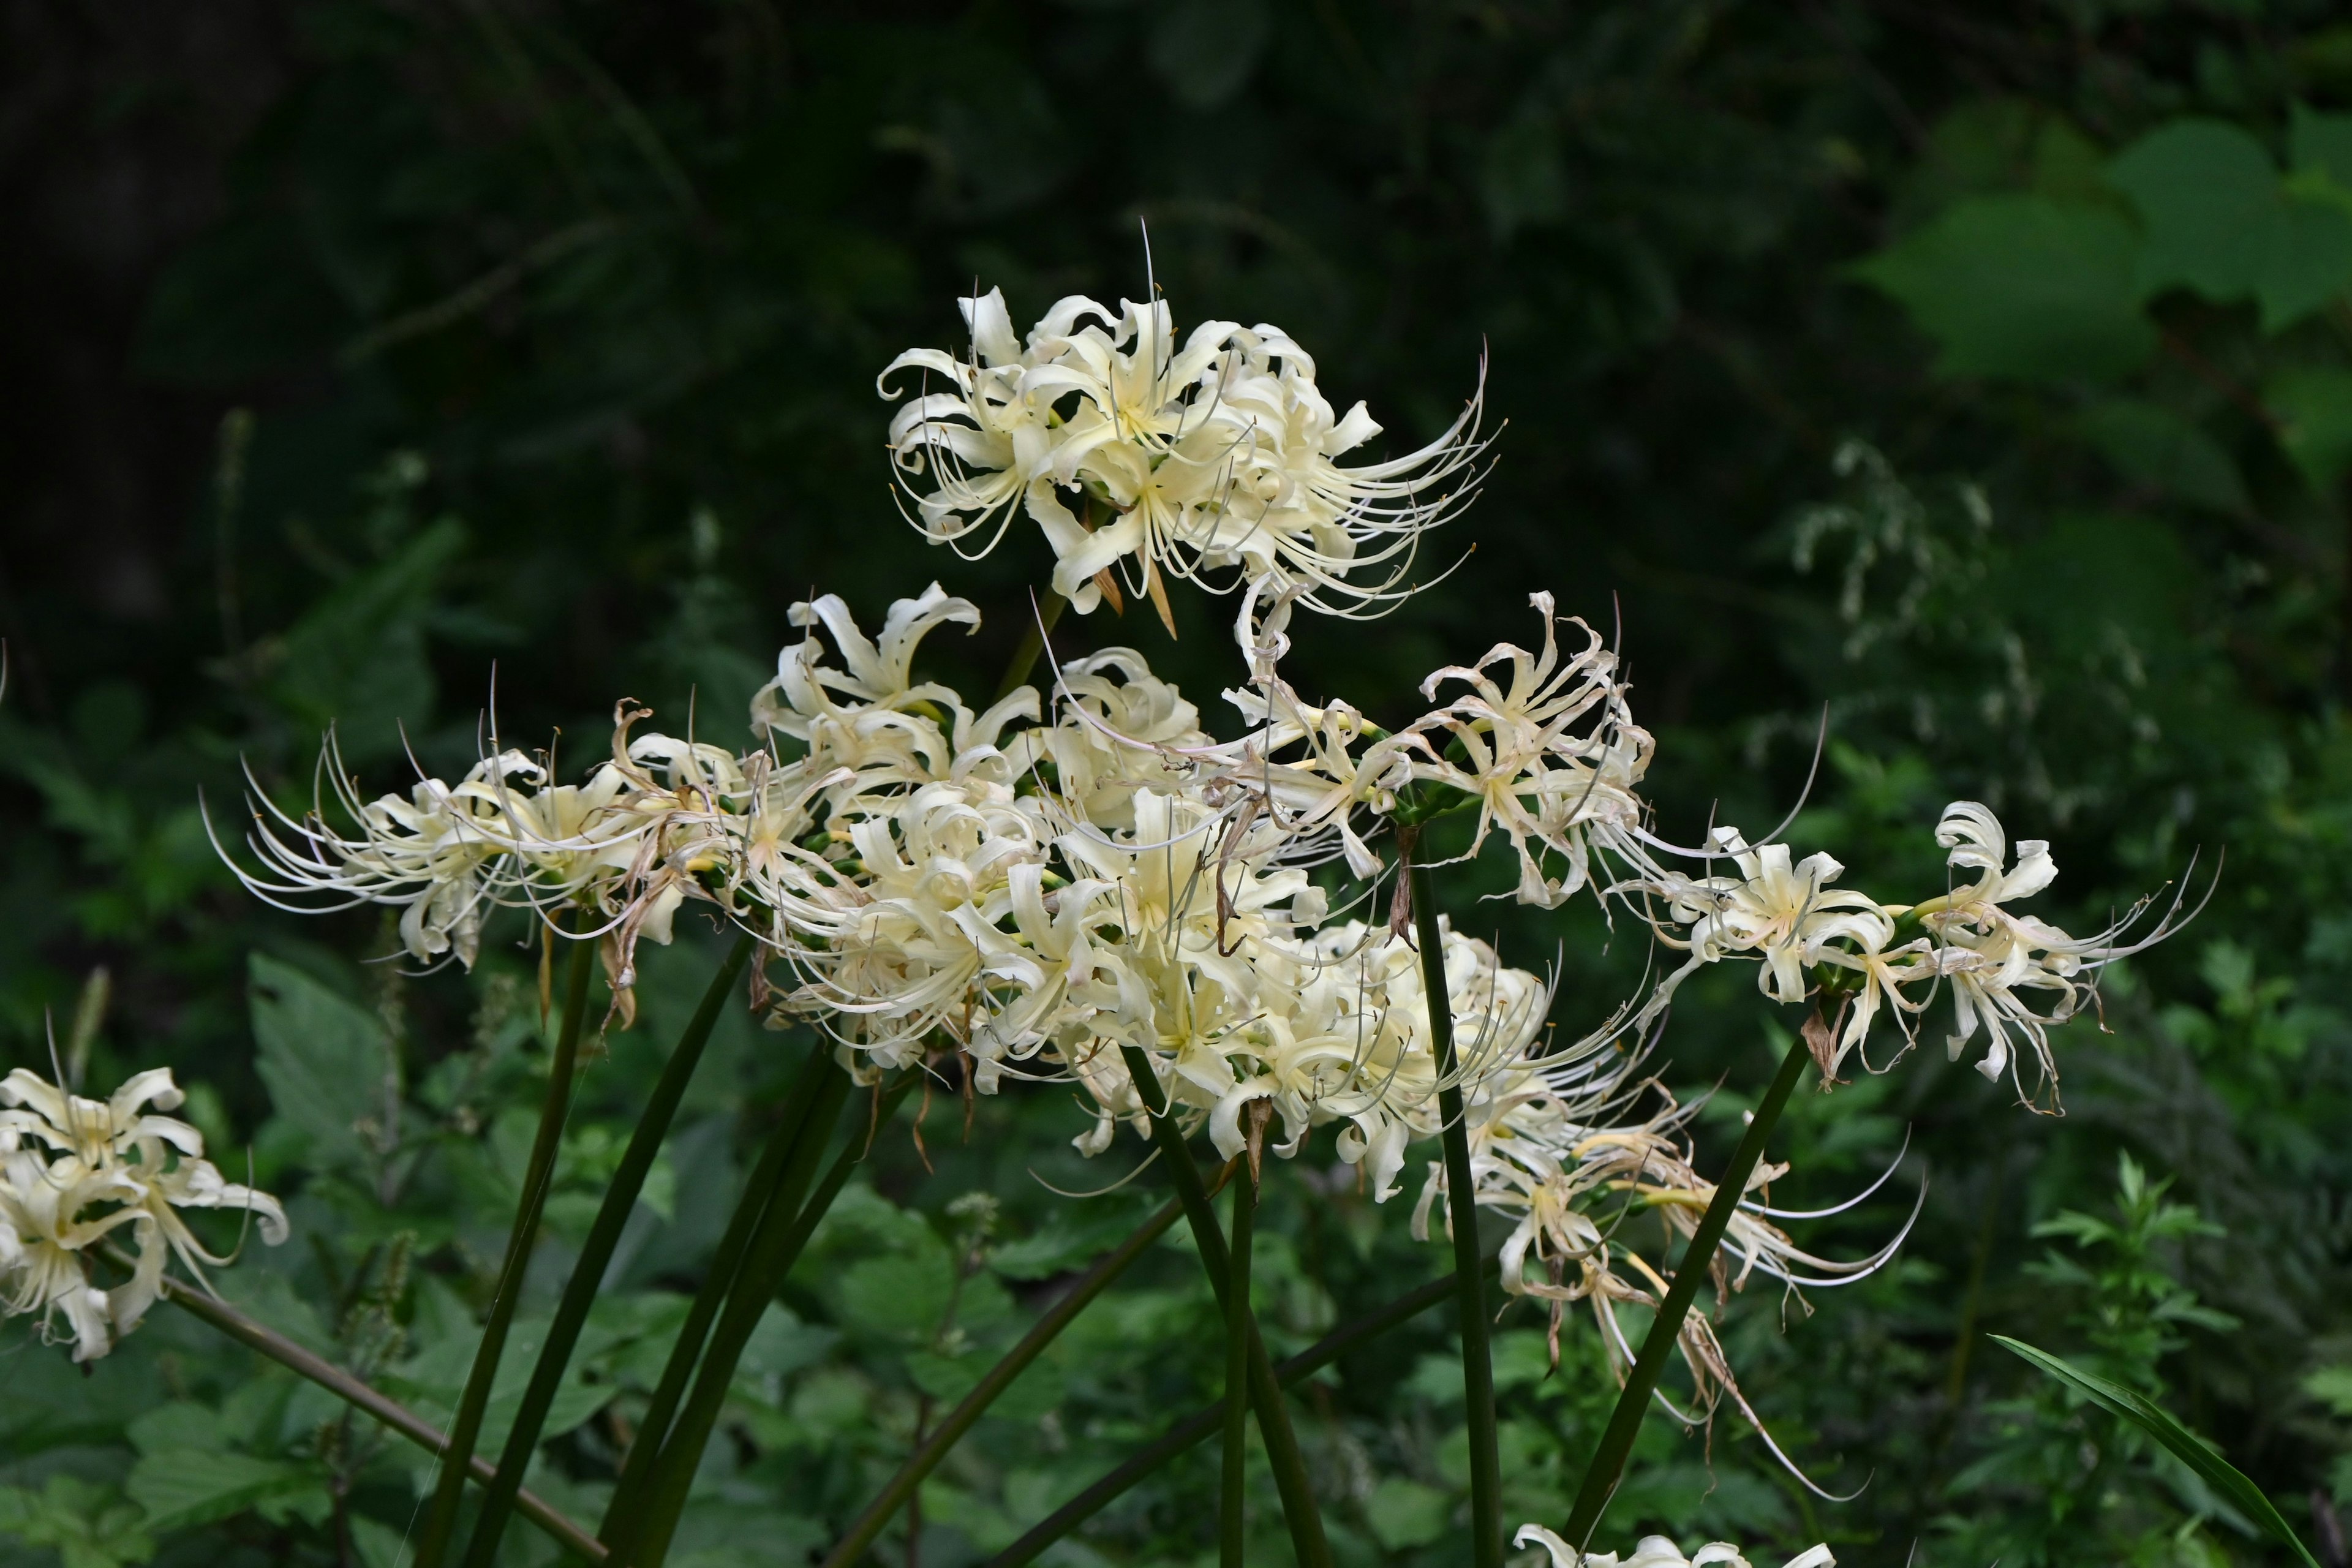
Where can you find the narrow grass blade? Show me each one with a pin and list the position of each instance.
(596, 1254)
(441, 1520)
(2184, 1445)
(1233, 1522)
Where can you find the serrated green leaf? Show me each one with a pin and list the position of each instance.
(320, 1055)
(2024, 286)
(2217, 1472)
(184, 1487)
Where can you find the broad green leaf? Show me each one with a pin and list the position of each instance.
(1405, 1513)
(2184, 1445)
(2153, 445)
(2220, 223)
(356, 659)
(900, 1296)
(322, 1057)
(2024, 285)
(2315, 410)
(183, 1486)
(90, 1526)
(2321, 143)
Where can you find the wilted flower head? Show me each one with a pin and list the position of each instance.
(75, 1171)
(1219, 456)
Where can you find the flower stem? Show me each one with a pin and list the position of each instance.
(759, 1190)
(1608, 1463)
(369, 1401)
(773, 1248)
(1289, 1466)
(441, 1522)
(1047, 611)
(1200, 1423)
(588, 1274)
(1231, 1533)
(1461, 1212)
(934, 1447)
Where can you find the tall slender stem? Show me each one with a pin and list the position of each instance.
(934, 1447)
(1048, 610)
(1200, 1423)
(1461, 1212)
(758, 1189)
(1282, 1452)
(782, 1231)
(1633, 1402)
(588, 1274)
(366, 1399)
(432, 1544)
(1231, 1533)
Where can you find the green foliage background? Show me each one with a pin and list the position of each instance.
(1983, 375)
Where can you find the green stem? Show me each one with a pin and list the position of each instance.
(1200, 1423)
(933, 1449)
(1632, 1403)
(774, 1247)
(588, 1274)
(1231, 1521)
(653, 1430)
(1049, 608)
(1462, 1211)
(1282, 1452)
(441, 1522)
(368, 1400)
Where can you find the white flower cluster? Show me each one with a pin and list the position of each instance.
(1657, 1552)
(1220, 456)
(73, 1172)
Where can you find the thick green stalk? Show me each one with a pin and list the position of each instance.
(1632, 1403)
(782, 1231)
(653, 1430)
(1049, 609)
(588, 1274)
(1231, 1522)
(1200, 1423)
(1462, 1210)
(933, 1449)
(441, 1520)
(1282, 1452)
(366, 1399)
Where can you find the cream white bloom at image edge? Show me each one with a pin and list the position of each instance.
(1657, 1552)
(74, 1172)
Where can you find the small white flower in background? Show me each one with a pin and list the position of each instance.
(1657, 1552)
(75, 1171)
(1219, 456)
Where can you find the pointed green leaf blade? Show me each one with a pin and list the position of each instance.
(2186, 1446)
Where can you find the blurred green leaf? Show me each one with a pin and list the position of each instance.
(2315, 407)
(2153, 445)
(2024, 286)
(2220, 223)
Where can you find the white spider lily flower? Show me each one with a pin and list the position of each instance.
(73, 1171)
(1552, 758)
(1994, 958)
(1220, 456)
(1657, 1552)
